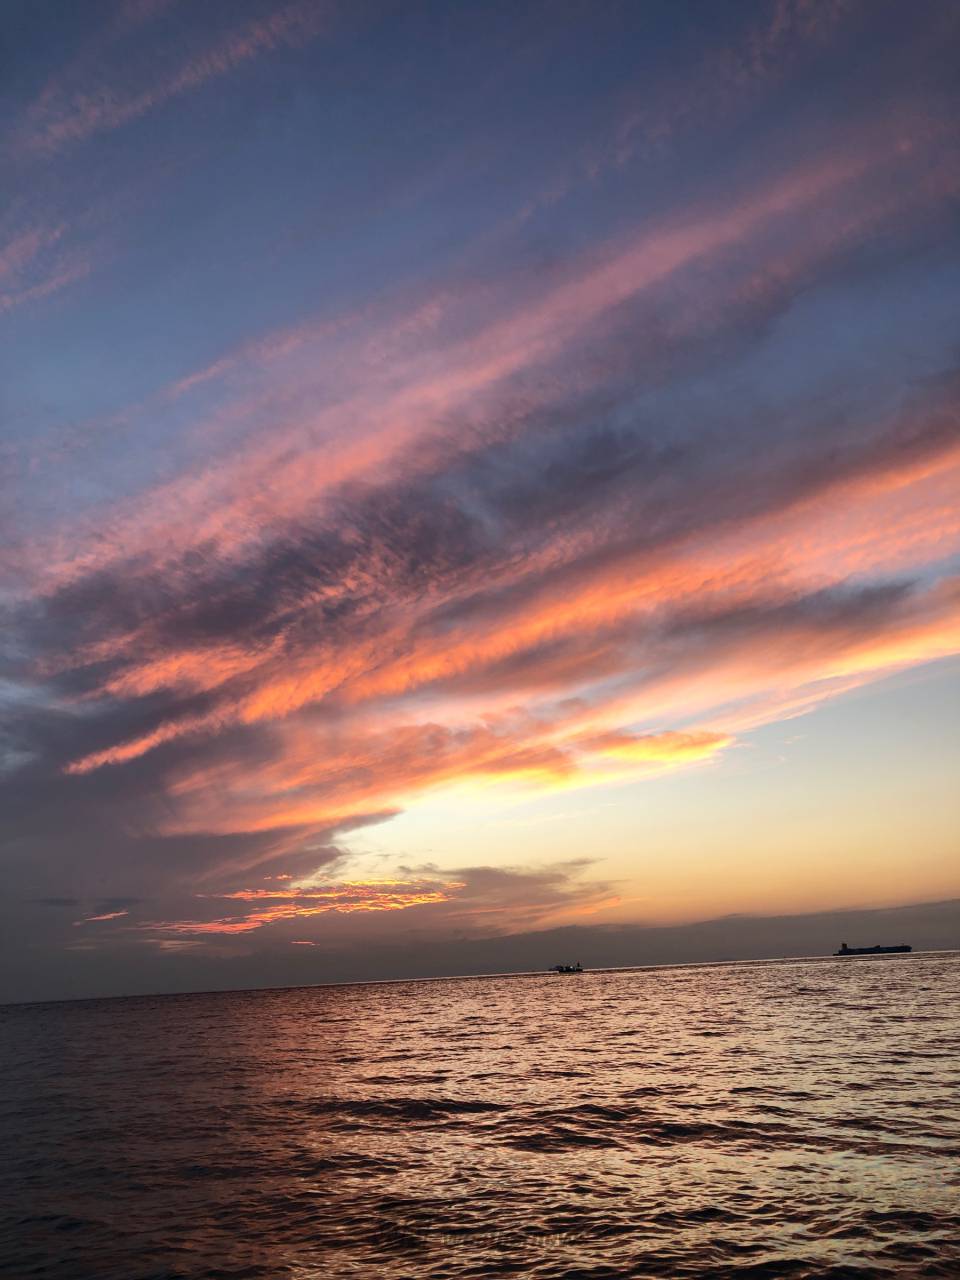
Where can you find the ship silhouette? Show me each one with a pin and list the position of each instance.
(870, 951)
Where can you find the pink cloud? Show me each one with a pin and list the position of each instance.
(63, 115)
(403, 394)
(106, 915)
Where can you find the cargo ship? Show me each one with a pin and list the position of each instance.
(871, 951)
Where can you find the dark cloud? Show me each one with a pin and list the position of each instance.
(191, 966)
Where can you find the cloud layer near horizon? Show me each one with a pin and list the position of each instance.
(643, 454)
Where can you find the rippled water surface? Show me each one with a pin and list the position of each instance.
(786, 1119)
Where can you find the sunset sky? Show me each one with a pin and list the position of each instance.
(469, 468)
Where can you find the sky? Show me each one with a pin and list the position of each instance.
(470, 470)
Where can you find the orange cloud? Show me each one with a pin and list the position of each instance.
(343, 899)
(658, 748)
(107, 915)
(877, 521)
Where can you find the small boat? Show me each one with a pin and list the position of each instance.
(566, 968)
(871, 951)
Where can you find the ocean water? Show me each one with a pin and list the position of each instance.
(783, 1119)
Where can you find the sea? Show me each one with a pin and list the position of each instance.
(792, 1118)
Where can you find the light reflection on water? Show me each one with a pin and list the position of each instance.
(785, 1119)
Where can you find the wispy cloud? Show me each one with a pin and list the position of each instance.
(105, 915)
(36, 262)
(65, 113)
(462, 900)
(750, 254)
(346, 898)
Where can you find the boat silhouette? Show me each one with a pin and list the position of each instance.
(566, 968)
(870, 951)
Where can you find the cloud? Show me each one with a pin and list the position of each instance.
(79, 106)
(659, 747)
(586, 499)
(268, 906)
(435, 602)
(25, 247)
(434, 903)
(429, 635)
(39, 261)
(104, 915)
